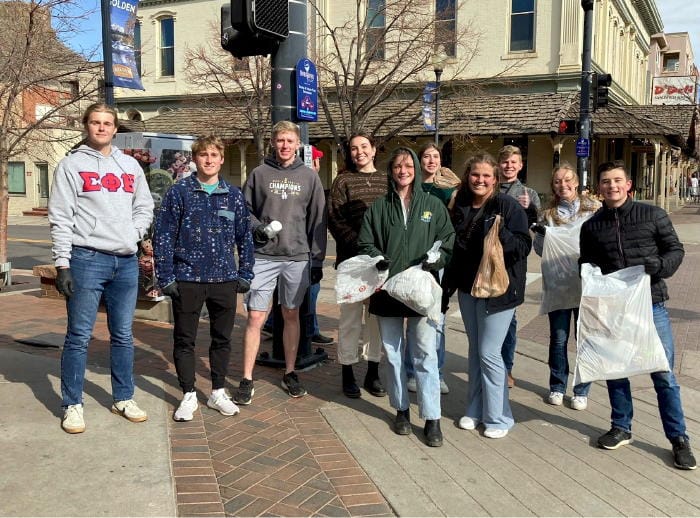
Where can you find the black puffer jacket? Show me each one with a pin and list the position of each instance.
(630, 235)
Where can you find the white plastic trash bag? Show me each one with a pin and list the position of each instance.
(418, 289)
(357, 279)
(561, 285)
(615, 332)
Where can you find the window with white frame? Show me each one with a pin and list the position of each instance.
(671, 62)
(445, 26)
(522, 26)
(167, 47)
(16, 181)
(376, 29)
(137, 47)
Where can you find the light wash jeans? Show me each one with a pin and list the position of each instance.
(487, 399)
(422, 334)
(115, 278)
(668, 393)
(439, 344)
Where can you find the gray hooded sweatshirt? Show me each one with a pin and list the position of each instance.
(293, 196)
(98, 202)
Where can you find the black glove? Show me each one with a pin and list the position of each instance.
(652, 265)
(171, 290)
(383, 265)
(64, 282)
(539, 229)
(430, 267)
(259, 235)
(316, 274)
(243, 286)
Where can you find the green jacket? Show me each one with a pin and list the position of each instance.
(384, 233)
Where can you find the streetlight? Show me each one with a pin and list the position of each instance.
(438, 60)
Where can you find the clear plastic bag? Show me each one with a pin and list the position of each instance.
(417, 288)
(616, 337)
(357, 279)
(561, 284)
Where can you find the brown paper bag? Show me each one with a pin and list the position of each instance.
(492, 278)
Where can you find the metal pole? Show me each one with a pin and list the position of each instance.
(107, 53)
(438, 73)
(586, 76)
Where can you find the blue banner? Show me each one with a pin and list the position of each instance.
(307, 90)
(125, 73)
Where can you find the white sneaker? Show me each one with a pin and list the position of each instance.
(130, 410)
(555, 398)
(444, 389)
(411, 384)
(468, 423)
(73, 421)
(188, 405)
(220, 401)
(495, 433)
(579, 402)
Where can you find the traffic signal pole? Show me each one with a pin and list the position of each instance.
(586, 76)
(284, 61)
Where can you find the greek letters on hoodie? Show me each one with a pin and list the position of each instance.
(100, 202)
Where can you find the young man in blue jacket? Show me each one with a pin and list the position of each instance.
(627, 233)
(202, 219)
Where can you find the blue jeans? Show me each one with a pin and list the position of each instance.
(421, 333)
(487, 399)
(115, 278)
(559, 331)
(668, 393)
(509, 343)
(440, 344)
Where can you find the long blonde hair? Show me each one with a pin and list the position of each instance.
(586, 204)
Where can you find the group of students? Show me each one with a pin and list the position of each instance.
(100, 207)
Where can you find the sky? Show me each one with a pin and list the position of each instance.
(677, 16)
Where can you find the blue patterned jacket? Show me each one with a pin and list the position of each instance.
(195, 234)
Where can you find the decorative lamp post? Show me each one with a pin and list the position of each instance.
(438, 60)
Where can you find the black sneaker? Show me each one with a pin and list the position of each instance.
(244, 393)
(615, 438)
(319, 339)
(290, 383)
(683, 457)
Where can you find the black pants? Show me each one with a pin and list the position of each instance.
(220, 299)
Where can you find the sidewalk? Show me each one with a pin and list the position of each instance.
(325, 454)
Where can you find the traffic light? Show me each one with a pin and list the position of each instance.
(267, 18)
(568, 127)
(243, 43)
(601, 83)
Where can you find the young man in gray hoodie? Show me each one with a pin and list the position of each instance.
(282, 189)
(99, 209)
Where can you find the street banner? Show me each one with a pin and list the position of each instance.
(429, 106)
(307, 90)
(125, 73)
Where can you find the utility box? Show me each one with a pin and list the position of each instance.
(165, 158)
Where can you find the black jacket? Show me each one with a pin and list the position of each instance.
(630, 235)
(468, 249)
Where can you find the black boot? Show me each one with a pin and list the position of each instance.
(432, 432)
(402, 423)
(373, 384)
(350, 388)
